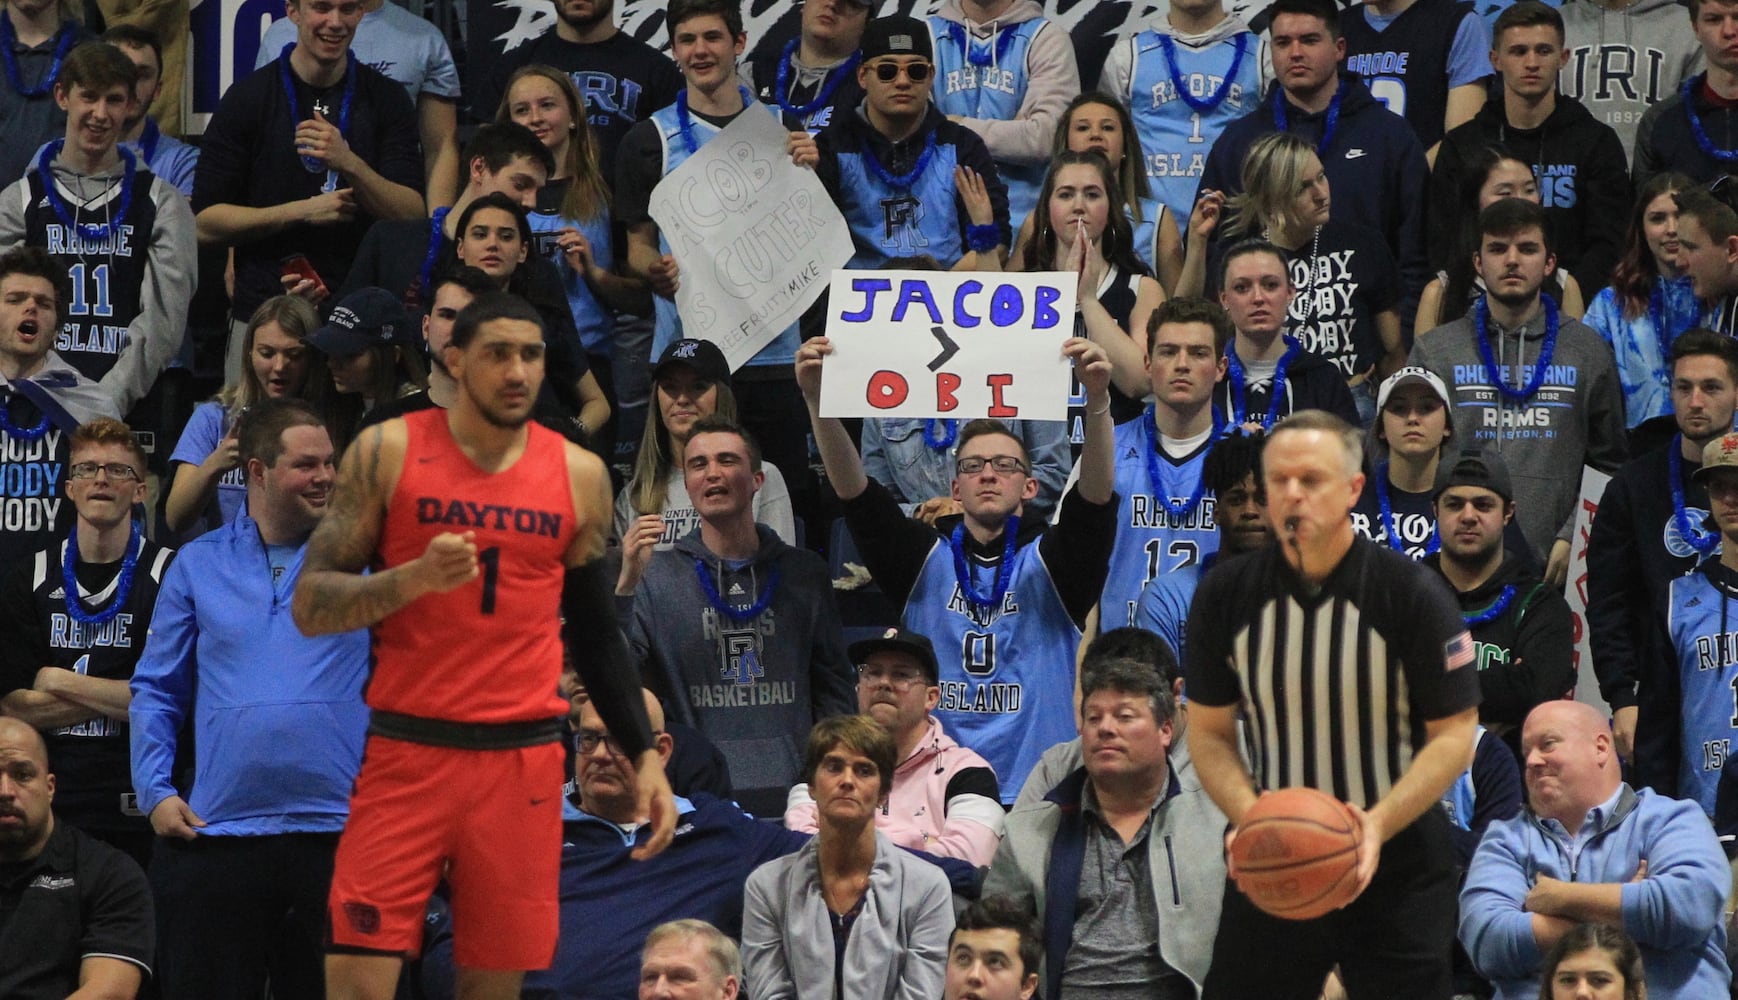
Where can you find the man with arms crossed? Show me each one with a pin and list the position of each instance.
(458, 579)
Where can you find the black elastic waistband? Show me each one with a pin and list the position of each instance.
(464, 735)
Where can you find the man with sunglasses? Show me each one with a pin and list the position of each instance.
(609, 900)
(74, 638)
(1010, 595)
(908, 180)
(734, 628)
(945, 799)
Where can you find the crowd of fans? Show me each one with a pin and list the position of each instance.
(1361, 293)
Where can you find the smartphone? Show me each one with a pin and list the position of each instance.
(299, 266)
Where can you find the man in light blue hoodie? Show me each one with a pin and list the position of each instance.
(1588, 848)
(243, 861)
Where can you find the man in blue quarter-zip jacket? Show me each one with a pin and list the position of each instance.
(243, 862)
(1588, 848)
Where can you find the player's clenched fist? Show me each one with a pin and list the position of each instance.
(449, 561)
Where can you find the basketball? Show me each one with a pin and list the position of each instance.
(1296, 852)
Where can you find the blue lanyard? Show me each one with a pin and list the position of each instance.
(436, 239)
(148, 140)
(1701, 134)
(90, 231)
(834, 77)
(1698, 537)
(1392, 533)
(904, 180)
(1004, 570)
(976, 53)
(723, 607)
(1239, 409)
(950, 432)
(9, 41)
(685, 121)
(1481, 316)
(16, 432)
(1495, 611)
(1155, 472)
(310, 164)
(1218, 96)
(1281, 120)
(123, 586)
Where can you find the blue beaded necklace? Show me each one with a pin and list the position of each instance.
(1495, 611)
(834, 78)
(437, 237)
(1696, 536)
(1701, 134)
(310, 164)
(1656, 311)
(123, 585)
(1219, 94)
(901, 180)
(1481, 318)
(1281, 119)
(685, 121)
(1395, 542)
(16, 432)
(1155, 471)
(962, 570)
(91, 231)
(149, 138)
(980, 54)
(950, 432)
(9, 41)
(1239, 406)
(724, 607)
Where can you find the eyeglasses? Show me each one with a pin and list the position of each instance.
(900, 680)
(586, 740)
(917, 72)
(118, 472)
(1005, 465)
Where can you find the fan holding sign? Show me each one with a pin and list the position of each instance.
(1003, 598)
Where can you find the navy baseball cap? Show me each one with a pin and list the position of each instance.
(1484, 469)
(899, 640)
(365, 318)
(701, 355)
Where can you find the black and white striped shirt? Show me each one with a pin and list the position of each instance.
(1337, 682)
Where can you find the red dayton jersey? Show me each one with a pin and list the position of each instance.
(489, 651)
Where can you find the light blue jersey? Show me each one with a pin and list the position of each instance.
(1703, 623)
(1151, 540)
(594, 321)
(987, 78)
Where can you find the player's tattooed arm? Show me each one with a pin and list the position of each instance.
(333, 595)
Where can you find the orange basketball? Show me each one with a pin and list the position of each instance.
(1296, 852)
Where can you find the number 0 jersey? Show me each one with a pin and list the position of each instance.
(488, 651)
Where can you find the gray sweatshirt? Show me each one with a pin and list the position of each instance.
(1574, 419)
(1621, 62)
(755, 686)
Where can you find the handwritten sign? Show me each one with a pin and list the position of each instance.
(753, 234)
(1593, 484)
(948, 344)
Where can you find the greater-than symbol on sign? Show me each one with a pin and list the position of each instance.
(948, 348)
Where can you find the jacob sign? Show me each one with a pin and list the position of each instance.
(948, 344)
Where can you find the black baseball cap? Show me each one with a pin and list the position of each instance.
(363, 319)
(897, 35)
(1484, 469)
(900, 640)
(701, 355)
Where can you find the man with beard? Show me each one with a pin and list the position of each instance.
(75, 914)
(622, 79)
(1521, 630)
(1537, 387)
(242, 861)
(481, 532)
(1651, 530)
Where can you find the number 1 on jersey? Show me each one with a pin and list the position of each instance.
(490, 560)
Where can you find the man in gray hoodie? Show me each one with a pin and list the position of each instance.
(1537, 387)
(1625, 57)
(735, 630)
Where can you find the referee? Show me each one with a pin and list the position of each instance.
(1357, 675)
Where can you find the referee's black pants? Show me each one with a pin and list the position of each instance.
(233, 912)
(1394, 942)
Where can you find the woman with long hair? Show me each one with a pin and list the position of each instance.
(1096, 121)
(1079, 226)
(493, 235)
(690, 381)
(206, 462)
(1593, 962)
(1649, 301)
(1490, 175)
(1345, 303)
(572, 221)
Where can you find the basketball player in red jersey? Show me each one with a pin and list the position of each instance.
(479, 529)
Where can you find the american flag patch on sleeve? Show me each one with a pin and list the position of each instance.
(1458, 651)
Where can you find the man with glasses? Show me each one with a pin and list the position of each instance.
(76, 615)
(1004, 596)
(609, 900)
(908, 180)
(945, 799)
(736, 630)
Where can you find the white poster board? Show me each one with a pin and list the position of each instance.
(948, 344)
(753, 234)
(1586, 680)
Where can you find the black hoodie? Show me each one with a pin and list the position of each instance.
(1583, 184)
